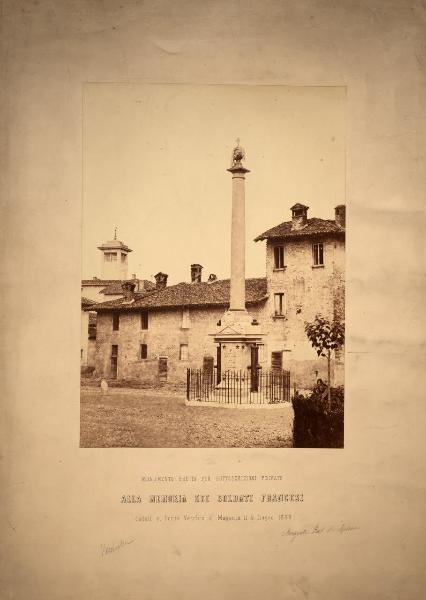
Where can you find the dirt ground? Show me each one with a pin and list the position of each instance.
(128, 418)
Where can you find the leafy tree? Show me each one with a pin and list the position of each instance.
(326, 336)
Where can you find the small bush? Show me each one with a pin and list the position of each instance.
(315, 425)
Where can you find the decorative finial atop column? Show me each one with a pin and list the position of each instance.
(238, 154)
(115, 233)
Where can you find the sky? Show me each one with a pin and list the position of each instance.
(155, 160)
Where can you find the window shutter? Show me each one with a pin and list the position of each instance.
(277, 361)
(144, 319)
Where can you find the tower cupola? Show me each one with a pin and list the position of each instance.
(114, 263)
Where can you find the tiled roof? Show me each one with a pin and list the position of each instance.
(313, 227)
(116, 287)
(190, 294)
(92, 318)
(97, 282)
(114, 244)
(87, 302)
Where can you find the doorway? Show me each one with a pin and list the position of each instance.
(254, 368)
(218, 364)
(114, 361)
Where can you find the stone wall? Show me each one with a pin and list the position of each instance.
(84, 338)
(308, 290)
(167, 331)
(91, 352)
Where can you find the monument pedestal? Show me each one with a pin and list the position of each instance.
(238, 336)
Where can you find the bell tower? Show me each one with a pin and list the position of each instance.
(114, 263)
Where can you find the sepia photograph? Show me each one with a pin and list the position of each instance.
(213, 284)
(207, 393)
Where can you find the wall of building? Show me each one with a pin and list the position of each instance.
(91, 352)
(308, 291)
(84, 344)
(92, 293)
(88, 343)
(167, 331)
(114, 269)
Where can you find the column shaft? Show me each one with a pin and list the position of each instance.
(238, 278)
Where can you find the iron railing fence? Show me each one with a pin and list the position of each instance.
(238, 387)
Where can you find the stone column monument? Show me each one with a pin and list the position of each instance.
(237, 332)
(238, 234)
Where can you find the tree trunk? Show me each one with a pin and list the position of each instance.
(329, 378)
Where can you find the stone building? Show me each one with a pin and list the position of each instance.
(114, 266)
(305, 271)
(153, 335)
(161, 333)
(100, 290)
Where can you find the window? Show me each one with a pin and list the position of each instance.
(143, 351)
(162, 368)
(144, 319)
(318, 253)
(115, 321)
(110, 256)
(279, 305)
(123, 257)
(277, 361)
(279, 257)
(185, 318)
(114, 361)
(183, 353)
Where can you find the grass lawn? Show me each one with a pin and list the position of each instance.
(145, 419)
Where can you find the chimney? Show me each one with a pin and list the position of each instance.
(212, 277)
(299, 216)
(128, 288)
(160, 281)
(196, 271)
(133, 275)
(340, 215)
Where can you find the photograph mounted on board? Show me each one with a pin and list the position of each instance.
(213, 265)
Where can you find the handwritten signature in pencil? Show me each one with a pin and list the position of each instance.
(317, 530)
(115, 547)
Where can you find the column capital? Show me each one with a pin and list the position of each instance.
(238, 169)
